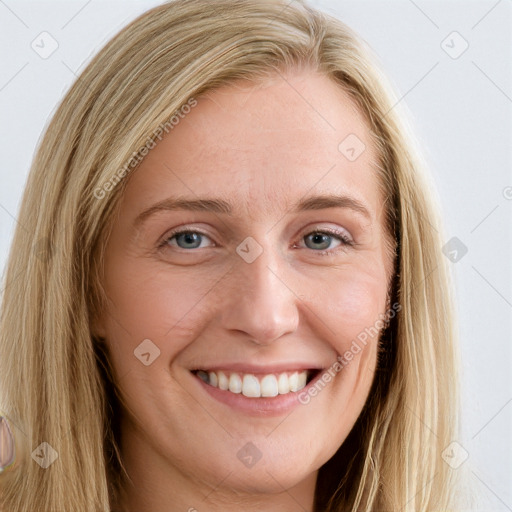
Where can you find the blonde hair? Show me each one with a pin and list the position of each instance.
(54, 379)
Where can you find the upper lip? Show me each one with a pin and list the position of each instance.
(259, 369)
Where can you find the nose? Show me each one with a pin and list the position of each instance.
(261, 302)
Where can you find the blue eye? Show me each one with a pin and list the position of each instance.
(323, 239)
(319, 241)
(186, 239)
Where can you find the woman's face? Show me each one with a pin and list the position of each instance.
(283, 269)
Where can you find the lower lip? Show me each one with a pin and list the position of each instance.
(263, 406)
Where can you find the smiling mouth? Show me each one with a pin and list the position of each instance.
(257, 386)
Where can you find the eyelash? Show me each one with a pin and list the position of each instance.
(341, 236)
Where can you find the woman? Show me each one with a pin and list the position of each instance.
(233, 294)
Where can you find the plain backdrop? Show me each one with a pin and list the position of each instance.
(451, 65)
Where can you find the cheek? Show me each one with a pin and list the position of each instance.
(151, 302)
(165, 307)
(352, 303)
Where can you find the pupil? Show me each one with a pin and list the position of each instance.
(191, 238)
(320, 238)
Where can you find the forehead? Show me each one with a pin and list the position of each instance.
(265, 143)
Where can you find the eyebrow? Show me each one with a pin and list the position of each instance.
(217, 205)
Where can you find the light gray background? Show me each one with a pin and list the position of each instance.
(461, 109)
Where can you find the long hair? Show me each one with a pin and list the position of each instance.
(55, 379)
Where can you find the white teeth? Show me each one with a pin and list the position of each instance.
(293, 379)
(223, 381)
(235, 383)
(303, 377)
(283, 384)
(269, 386)
(251, 386)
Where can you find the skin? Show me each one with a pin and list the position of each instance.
(262, 147)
